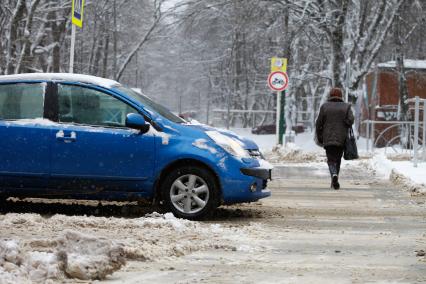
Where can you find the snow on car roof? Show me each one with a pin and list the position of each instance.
(107, 83)
(408, 63)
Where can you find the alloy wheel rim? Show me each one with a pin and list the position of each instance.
(189, 194)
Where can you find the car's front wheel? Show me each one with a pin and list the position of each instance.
(190, 192)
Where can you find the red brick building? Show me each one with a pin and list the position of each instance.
(381, 99)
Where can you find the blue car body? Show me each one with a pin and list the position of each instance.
(44, 157)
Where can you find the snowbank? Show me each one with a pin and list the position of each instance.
(400, 172)
(73, 255)
(90, 248)
(87, 258)
(294, 154)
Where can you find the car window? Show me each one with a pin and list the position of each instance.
(21, 101)
(151, 105)
(91, 107)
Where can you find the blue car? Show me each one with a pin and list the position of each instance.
(84, 137)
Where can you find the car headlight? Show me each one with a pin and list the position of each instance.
(231, 145)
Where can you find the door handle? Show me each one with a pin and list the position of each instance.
(60, 136)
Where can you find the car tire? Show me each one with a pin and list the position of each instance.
(190, 192)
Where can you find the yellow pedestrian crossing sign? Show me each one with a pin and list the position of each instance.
(278, 64)
(77, 12)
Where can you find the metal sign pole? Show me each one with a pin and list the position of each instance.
(373, 136)
(278, 139)
(282, 117)
(77, 8)
(72, 48)
(368, 136)
(278, 81)
(424, 131)
(416, 131)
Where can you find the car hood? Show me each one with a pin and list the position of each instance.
(247, 143)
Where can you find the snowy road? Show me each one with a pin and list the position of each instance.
(367, 232)
(305, 233)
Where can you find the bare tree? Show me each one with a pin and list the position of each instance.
(156, 20)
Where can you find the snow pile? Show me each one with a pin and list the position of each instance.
(405, 181)
(292, 153)
(88, 258)
(380, 165)
(18, 265)
(90, 248)
(73, 255)
(399, 156)
(402, 173)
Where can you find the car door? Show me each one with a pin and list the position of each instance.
(92, 149)
(24, 134)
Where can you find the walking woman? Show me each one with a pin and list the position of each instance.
(332, 126)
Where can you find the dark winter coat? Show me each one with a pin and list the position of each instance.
(333, 122)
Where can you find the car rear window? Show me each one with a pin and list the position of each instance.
(21, 101)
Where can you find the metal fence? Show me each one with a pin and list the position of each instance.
(417, 102)
(407, 137)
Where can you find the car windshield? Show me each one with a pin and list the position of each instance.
(151, 105)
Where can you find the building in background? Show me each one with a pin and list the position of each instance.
(381, 98)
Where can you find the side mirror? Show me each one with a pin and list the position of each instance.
(137, 121)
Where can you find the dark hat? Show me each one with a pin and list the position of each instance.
(336, 93)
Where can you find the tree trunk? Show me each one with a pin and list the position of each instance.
(105, 58)
(403, 114)
(336, 35)
(17, 16)
(58, 31)
(26, 47)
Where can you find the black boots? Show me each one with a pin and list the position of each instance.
(334, 173)
(335, 182)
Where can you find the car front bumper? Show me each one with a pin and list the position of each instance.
(249, 184)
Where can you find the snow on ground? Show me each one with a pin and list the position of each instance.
(90, 248)
(293, 153)
(72, 255)
(400, 172)
(303, 149)
(395, 167)
(34, 248)
(267, 142)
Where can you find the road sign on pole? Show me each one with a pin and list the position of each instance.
(278, 64)
(278, 81)
(77, 12)
(77, 20)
